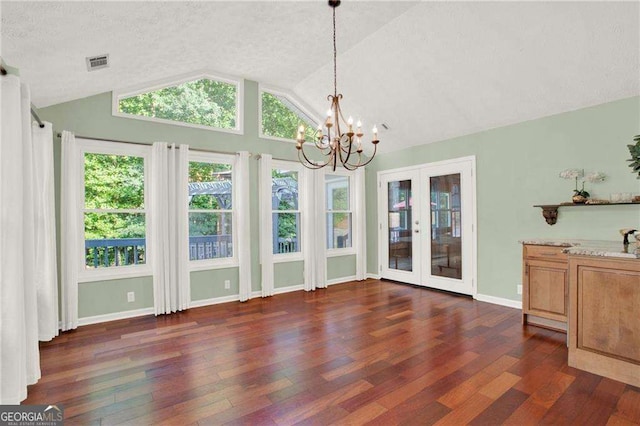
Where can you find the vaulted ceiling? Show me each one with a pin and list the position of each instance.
(429, 70)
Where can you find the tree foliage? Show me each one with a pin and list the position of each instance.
(114, 182)
(280, 121)
(204, 102)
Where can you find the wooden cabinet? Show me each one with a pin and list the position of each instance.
(545, 286)
(604, 321)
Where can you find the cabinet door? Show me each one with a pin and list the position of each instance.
(547, 287)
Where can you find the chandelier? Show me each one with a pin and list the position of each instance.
(331, 141)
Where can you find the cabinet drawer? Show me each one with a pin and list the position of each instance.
(552, 253)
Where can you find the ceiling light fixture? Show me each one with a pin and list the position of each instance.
(335, 145)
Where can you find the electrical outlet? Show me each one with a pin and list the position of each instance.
(131, 296)
(227, 284)
(519, 289)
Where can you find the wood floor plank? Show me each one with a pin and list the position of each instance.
(371, 352)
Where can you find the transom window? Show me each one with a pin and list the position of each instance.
(200, 102)
(281, 117)
(211, 208)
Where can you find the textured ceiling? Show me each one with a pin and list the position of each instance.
(430, 70)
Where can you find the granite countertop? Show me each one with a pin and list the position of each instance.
(589, 247)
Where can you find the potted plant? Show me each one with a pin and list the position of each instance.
(580, 196)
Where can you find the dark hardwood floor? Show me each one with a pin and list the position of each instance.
(379, 353)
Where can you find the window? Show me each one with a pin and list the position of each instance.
(285, 211)
(211, 208)
(339, 211)
(203, 102)
(281, 117)
(114, 207)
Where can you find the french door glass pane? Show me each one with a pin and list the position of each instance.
(446, 226)
(400, 230)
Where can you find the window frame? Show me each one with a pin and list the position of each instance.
(294, 100)
(294, 166)
(87, 146)
(118, 94)
(224, 262)
(344, 251)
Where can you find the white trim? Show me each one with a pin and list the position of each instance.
(293, 98)
(341, 280)
(373, 276)
(288, 257)
(231, 160)
(448, 162)
(115, 316)
(90, 146)
(210, 265)
(117, 94)
(214, 301)
(347, 251)
(516, 304)
(116, 273)
(288, 289)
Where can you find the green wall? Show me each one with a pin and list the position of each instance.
(92, 117)
(517, 166)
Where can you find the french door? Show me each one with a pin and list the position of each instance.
(427, 225)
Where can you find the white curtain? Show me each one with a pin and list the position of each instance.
(28, 302)
(266, 222)
(241, 188)
(170, 228)
(360, 225)
(314, 221)
(70, 238)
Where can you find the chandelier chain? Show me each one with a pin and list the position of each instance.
(335, 56)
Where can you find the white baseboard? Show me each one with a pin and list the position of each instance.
(340, 280)
(516, 304)
(115, 316)
(373, 276)
(214, 301)
(280, 290)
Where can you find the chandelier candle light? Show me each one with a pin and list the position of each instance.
(335, 145)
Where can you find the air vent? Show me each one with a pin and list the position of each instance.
(97, 62)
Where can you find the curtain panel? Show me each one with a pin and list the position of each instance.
(28, 283)
(169, 239)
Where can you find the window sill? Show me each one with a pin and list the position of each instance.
(349, 251)
(203, 265)
(282, 258)
(114, 273)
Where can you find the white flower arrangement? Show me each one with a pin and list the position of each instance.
(594, 177)
(571, 174)
(576, 174)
